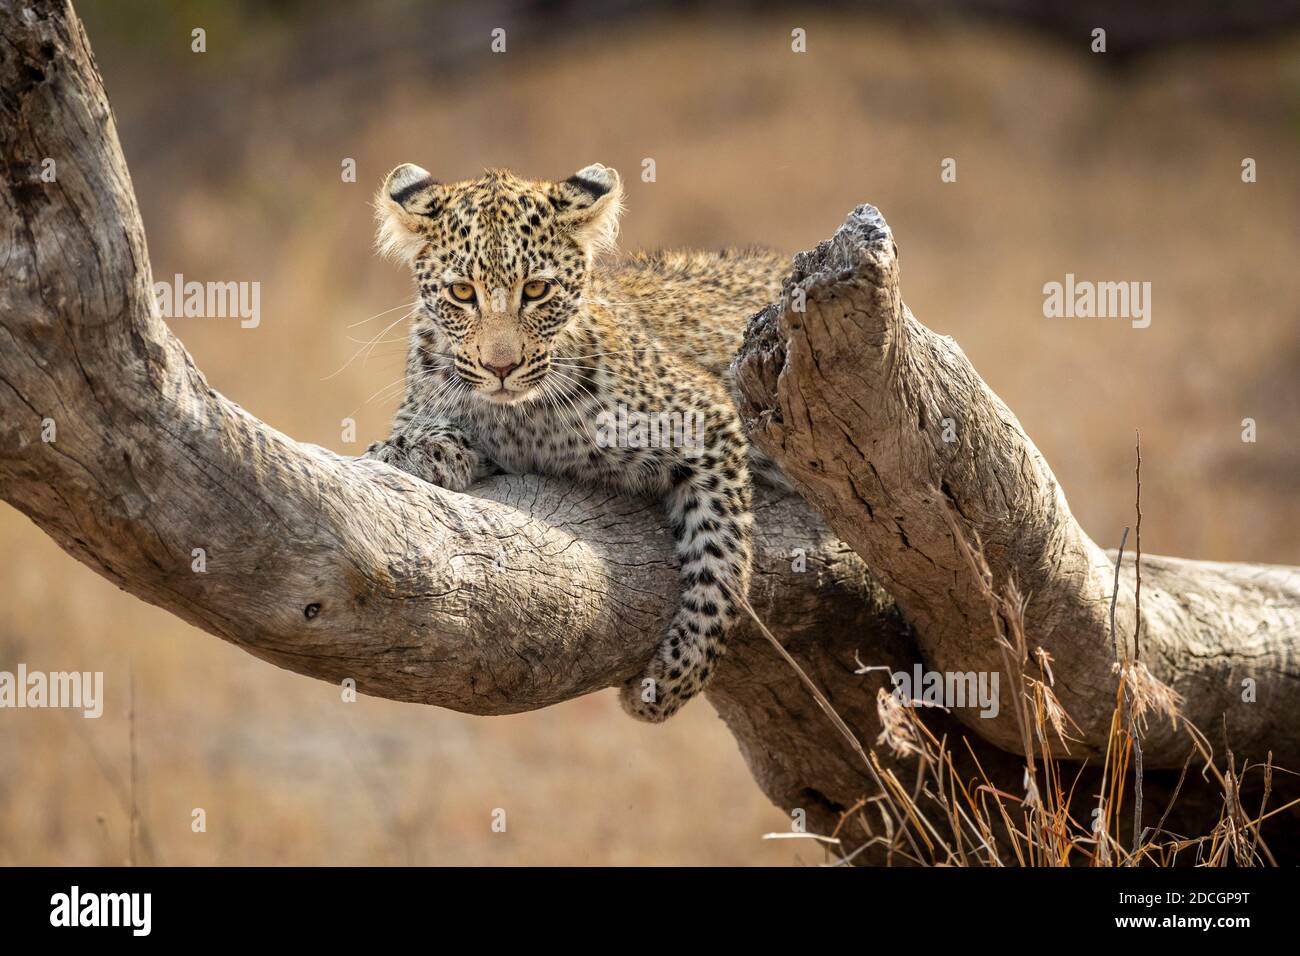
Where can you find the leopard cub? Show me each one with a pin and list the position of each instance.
(531, 351)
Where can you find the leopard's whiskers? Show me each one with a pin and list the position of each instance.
(371, 343)
(404, 305)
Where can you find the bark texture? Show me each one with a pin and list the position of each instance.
(890, 433)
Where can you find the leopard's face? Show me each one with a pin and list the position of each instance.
(502, 266)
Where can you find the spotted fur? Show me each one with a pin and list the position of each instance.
(526, 382)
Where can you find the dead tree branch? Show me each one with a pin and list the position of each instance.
(891, 434)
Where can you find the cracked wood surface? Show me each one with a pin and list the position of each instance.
(852, 397)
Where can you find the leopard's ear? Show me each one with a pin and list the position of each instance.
(408, 198)
(589, 202)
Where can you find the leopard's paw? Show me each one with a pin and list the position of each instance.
(439, 461)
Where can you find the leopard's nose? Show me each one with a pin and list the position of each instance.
(501, 371)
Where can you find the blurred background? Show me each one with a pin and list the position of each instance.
(1123, 166)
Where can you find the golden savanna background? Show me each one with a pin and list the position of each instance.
(1066, 163)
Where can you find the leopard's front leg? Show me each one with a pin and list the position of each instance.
(436, 451)
(709, 510)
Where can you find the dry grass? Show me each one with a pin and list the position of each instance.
(1060, 169)
(947, 818)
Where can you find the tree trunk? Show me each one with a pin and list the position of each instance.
(887, 429)
(531, 591)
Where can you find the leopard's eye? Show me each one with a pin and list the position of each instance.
(536, 289)
(461, 291)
